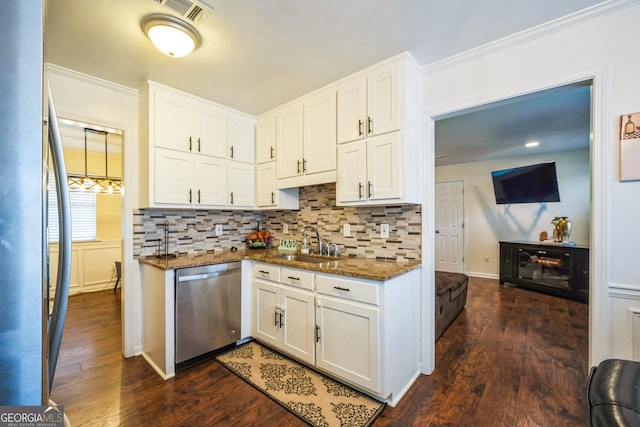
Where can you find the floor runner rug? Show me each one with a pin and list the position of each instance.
(318, 400)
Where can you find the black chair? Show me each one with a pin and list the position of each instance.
(613, 394)
(118, 274)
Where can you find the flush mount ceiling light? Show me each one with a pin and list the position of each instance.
(532, 144)
(171, 35)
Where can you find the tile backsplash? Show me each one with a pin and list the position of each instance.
(193, 231)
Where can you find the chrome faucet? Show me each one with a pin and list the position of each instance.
(304, 236)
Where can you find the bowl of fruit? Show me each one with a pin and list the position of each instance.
(259, 239)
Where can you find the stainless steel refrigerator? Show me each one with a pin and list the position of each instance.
(29, 335)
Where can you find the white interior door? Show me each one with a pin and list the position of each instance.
(450, 226)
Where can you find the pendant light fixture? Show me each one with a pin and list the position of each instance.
(172, 36)
(99, 184)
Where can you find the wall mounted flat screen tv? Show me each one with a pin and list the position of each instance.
(527, 184)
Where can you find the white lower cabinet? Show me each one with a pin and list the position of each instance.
(284, 314)
(352, 352)
(363, 332)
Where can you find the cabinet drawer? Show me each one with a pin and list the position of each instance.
(266, 272)
(348, 289)
(298, 278)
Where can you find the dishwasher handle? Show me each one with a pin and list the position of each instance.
(205, 276)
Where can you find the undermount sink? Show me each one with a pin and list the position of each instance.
(305, 258)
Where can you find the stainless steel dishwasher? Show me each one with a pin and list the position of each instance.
(207, 309)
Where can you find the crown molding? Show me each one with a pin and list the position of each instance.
(542, 30)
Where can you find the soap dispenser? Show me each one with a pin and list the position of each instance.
(305, 245)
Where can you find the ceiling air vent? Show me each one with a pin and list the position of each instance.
(187, 9)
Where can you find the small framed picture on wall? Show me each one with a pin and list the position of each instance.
(630, 147)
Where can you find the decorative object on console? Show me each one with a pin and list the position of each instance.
(630, 147)
(563, 229)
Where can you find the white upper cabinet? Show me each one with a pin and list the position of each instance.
(241, 185)
(379, 135)
(289, 141)
(193, 148)
(370, 105)
(268, 196)
(266, 138)
(241, 138)
(306, 141)
(369, 170)
(319, 136)
(209, 129)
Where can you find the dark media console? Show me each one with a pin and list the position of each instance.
(550, 268)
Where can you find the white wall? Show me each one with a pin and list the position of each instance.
(487, 223)
(592, 44)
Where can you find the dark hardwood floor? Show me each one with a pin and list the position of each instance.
(512, 358)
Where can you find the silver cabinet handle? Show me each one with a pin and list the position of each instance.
(272, 152)
(293, 278)
(370, 125)
(360, 128)
(232, 151)
(198, 145)
(298, 166)
(342, 289)
(190, 144)
(281, 320)
(273, 198)
(198, 196)
(190, 194)
(231, 198)
(370, 188)
(263, 272)
(304, 165)
(317, 333)
(275, 323)
(360, 188)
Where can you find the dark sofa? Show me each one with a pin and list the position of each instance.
(451, 297)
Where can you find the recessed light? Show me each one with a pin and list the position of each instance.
(532, 144)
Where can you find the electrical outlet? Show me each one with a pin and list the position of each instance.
(346, 230)
(218, 229)
(486, 259)
(285, 228)
(384, 231)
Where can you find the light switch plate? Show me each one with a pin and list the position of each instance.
(346, 230)
(218, 229)
(285, 228)
(384, 231)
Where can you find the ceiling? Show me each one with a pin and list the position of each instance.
(558, 119)
(258, 54)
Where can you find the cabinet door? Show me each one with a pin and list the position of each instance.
(383, 100)
(383, 167)
(267, 312)
(319, 133)
(211, 181)
(352, 110)
(289, 141)
(209, 130)
(352, 353)
(266, 193)
(266, 138)
(241, 184)
(174, 187)
(242, 138)
(171, 120)
(352, 171)
(507, 262)
(298, 329)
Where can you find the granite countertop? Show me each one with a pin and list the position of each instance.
(366, 268)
